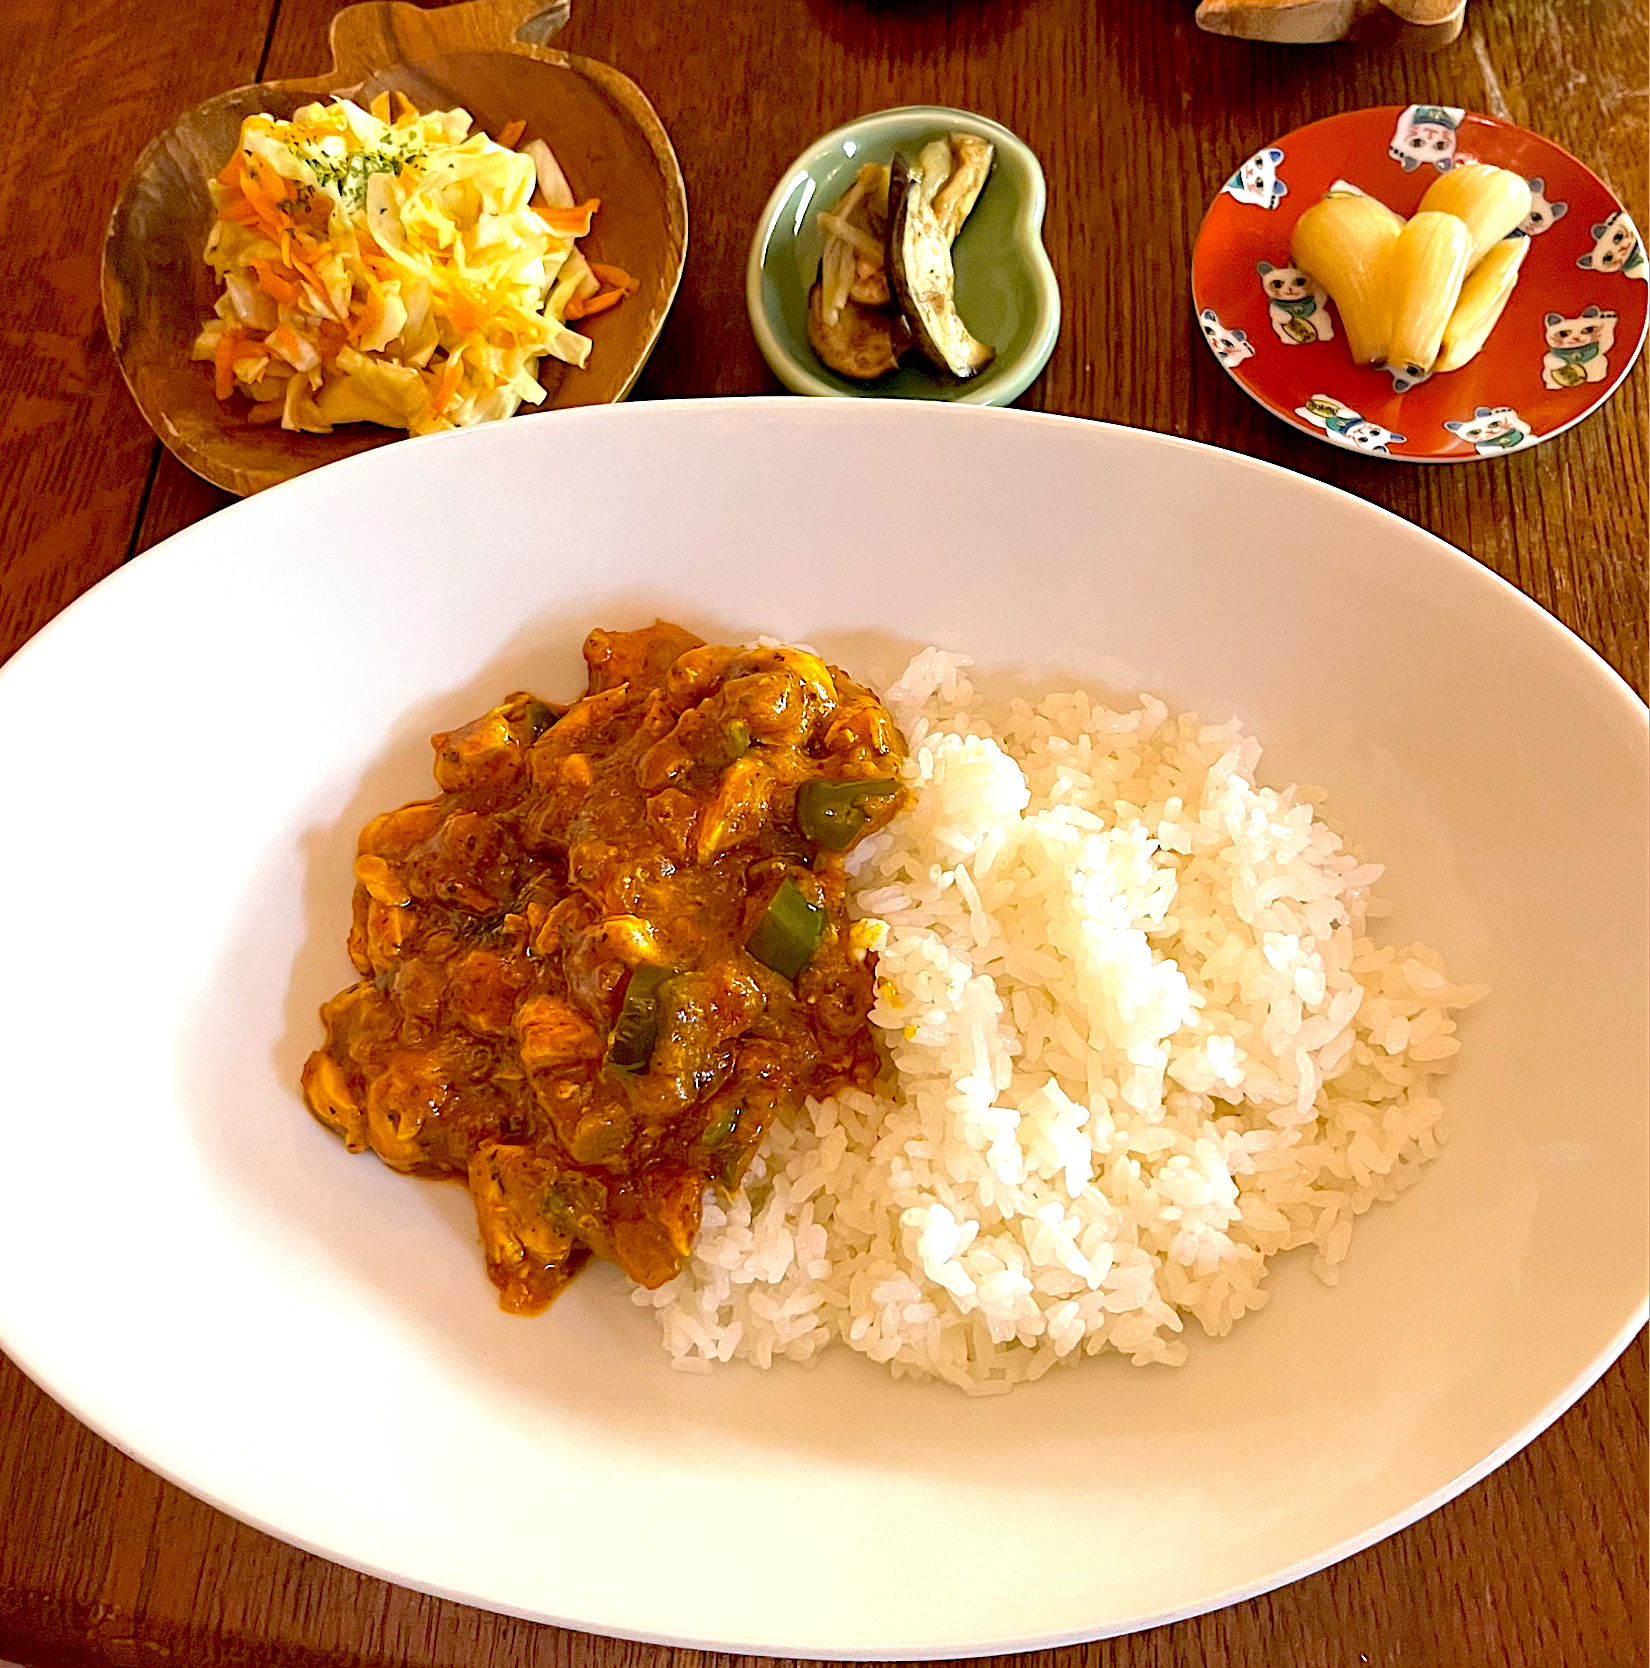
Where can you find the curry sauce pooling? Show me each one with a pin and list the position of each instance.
(612, 949)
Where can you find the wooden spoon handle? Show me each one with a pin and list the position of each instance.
(382, 33)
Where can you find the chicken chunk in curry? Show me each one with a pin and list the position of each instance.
(612, 949)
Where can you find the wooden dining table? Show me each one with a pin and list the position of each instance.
(1138, 117)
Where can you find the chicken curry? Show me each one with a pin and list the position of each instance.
(612, 949)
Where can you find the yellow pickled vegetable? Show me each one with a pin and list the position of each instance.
(1421, 277)
(1343, 243)
(1345, 188)
(1491, 202)
(1483, 296)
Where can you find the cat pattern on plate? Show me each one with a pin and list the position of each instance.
(1347, 427)
(1616, 247)
(1576, 348)
(1542, 213)
(1230, 347)
(1296, 305)
(1256, 180)
(1491, 430)
(1426, 133)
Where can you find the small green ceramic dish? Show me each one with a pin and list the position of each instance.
(1006, 292)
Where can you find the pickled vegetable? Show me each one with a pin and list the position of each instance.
(1424, 272)
(1343, 242)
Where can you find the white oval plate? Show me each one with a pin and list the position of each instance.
(203, 1275)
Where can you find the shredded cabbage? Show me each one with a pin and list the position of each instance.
(398, 271)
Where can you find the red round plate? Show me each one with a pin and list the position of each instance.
(1572, 329)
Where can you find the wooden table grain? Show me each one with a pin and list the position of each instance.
(1138, 118)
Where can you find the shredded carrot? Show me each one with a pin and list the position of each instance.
(304, 260)
(226, 174)
(620, 282)
(223, 363)
(569, 222)
(265, 207)
(380, 106)
(329, 338)
(287, 343)
(316, 290)
(596, 304)
(315, 214)
(511, 134)
(405, 109)
(241, 212)
(276, 284)
(614, 275)
(465, 314)
(371, 314)
(447, 388)
(256, 184)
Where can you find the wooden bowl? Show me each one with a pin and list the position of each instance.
(487, 56)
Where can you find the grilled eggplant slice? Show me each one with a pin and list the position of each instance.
(920, 273)
(865, 342)
(971, 158)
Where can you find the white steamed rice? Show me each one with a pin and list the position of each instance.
(1140, 1043)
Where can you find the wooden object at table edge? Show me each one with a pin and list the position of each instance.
(157, 290)
(1423, 24)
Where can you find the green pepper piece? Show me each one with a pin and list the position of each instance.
(630, 1043)
(787, 936)
(540, 715)
(720, 1127)
(833, 814)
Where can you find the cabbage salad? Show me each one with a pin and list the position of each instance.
(396, 270)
